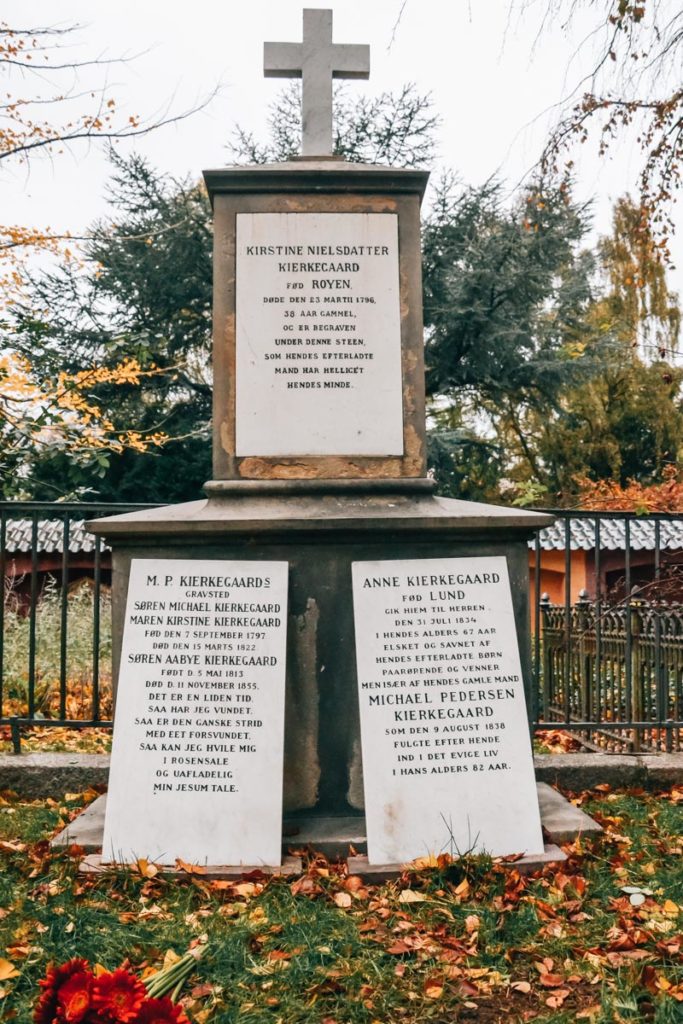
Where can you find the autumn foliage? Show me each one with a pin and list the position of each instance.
(63, 410)
(610, 496)
(44, 112)
(634, 90)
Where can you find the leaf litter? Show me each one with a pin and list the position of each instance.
(467, 940)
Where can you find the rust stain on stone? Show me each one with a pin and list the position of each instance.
(410, 360)
(327, 467)
(302, 765)
(414, 454)
(225, 433)
(264, 469)
(408, 402)
(336, 203)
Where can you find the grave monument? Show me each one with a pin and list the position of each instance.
(319, 475)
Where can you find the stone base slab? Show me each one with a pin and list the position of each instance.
(562, 821)
(335, 836)
(577, 772)
(37, 776)
(360, 865)
(93, 865)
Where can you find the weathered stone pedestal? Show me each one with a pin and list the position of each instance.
(320, 528)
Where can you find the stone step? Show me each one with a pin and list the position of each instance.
(335, 836)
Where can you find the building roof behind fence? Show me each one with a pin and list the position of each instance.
(50, 536)
(581, 535)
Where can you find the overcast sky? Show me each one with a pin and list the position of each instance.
(494, 84)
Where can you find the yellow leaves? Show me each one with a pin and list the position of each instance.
(257, 916)
(146, 868)
(7, 970)
(669, 988)
(246, 889)
(462, 891)
(411, 896)
(64, 411)
(190, 869)
(433, 988)
(170, 958)
(271, 967)
(343, 899)
(421, 863)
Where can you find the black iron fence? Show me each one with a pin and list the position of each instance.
(55, 626)
(620, 680)
(606, 620)
(608, 644)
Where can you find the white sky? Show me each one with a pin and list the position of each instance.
(492, 88)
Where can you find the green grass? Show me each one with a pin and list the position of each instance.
(48, 631)
(462, 951)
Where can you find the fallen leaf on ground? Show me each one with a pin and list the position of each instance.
(12, 847)
(411, 896)
(353, 883)
(146, 868)
(521, 986)
(7, 970)
(557, 998)
(551, 980)
(433, 988)
(420, 863)
(272, 967)
(190, 869)
(589, 1012)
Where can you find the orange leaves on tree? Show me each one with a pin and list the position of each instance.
(22, 131)
(609, 496)
(39, 411)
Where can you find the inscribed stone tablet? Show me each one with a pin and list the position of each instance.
(318, 335)
(196, 767)
(447, 763)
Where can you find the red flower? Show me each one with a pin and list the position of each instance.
(161, 1011)
(47, 1007)
(118, 995)
(73, 997)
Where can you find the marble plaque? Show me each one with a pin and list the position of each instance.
(447, 763)
(197, 758)
(318, 335)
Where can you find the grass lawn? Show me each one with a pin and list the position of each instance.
(468, 942)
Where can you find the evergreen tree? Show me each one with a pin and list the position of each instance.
(145, 291)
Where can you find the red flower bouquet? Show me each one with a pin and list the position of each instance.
(118, 996)
(74, 993)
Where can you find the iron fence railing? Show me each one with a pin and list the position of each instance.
(620, 680)
(608, 661)
(607, 645)
(44, 551)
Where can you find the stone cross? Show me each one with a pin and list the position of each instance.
(316, 60)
